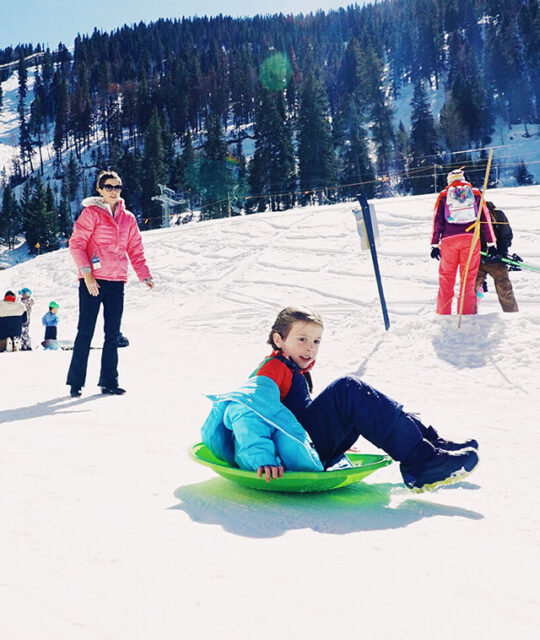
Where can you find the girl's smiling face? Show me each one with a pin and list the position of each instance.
(301, 344)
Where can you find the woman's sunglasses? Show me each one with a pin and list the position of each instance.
(112, 187)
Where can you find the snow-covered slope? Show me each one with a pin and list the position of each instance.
(108, 530)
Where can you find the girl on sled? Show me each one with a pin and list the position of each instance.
(272, 424)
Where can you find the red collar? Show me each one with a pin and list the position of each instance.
(10, 298)
(277, 352)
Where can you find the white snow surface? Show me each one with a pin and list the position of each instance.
(108, 530)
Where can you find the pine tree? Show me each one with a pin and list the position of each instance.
(403, 158)
(428, 59)
(37, 118)
(452, 125)
(81, 108)
(65, 216)
(155, 172)
(25, 139)
(61, 119)
(316, 158)
(523, 177)
(130, 167)
(190, 165)
(241, 189)
(50, 222)
(380, 112)
(356, 171)
(47, 74)
(216, 176)
(10, 224)
(72, 177)
(33, 209)
(507, 71)
(272, 171)
(468, 98)
(424, 144)
(529, 21)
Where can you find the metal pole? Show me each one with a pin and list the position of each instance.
(371, 238)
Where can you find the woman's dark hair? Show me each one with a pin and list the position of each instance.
(106, 175)
(286, 317)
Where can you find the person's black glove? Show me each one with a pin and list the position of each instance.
(435, 253)
(493, 255)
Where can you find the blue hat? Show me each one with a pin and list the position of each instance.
(25, 291)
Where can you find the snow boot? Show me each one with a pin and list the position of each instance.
(443, 468)
(432, 436)
(122, 341)
(75, 392)
(113, 391)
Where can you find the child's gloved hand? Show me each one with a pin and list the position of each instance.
(269, 471)
(435, 253)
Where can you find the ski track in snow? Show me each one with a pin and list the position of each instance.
(108, 530)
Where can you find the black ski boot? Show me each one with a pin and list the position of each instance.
(447, 445)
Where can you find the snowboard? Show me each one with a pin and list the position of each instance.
(363, 464)
(64, 345)
(54, 345)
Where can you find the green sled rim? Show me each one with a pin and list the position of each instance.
(293, 481)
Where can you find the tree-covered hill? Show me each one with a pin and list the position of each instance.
(246, 114)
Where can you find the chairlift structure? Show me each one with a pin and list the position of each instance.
(168, 199)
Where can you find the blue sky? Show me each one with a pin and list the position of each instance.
(52, 21)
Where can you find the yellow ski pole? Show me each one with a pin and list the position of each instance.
(475, 238)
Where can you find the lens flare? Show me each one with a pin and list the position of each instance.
(275, 72)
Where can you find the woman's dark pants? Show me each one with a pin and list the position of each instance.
(111, 295)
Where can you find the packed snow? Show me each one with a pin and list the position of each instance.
(108, 529)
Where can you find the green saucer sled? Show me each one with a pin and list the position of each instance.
(294, 481)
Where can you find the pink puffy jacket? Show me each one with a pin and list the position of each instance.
(97, 234)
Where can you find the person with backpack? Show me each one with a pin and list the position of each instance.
(497, 269)
(456, 211)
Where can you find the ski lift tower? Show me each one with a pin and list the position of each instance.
(168, 199)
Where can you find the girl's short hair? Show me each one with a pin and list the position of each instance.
(286, 317)
(106, 175)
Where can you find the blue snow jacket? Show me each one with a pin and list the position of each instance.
(251, 428)
(50, 319)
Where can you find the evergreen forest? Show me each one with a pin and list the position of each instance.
(219, 116)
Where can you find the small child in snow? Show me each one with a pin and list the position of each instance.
(50, 320)
(28, 302)
(272, 424)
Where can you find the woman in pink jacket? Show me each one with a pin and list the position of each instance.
(104, 236)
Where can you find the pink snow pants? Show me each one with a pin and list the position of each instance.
(455, 253)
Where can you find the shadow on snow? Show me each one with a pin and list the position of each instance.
(362, 507)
